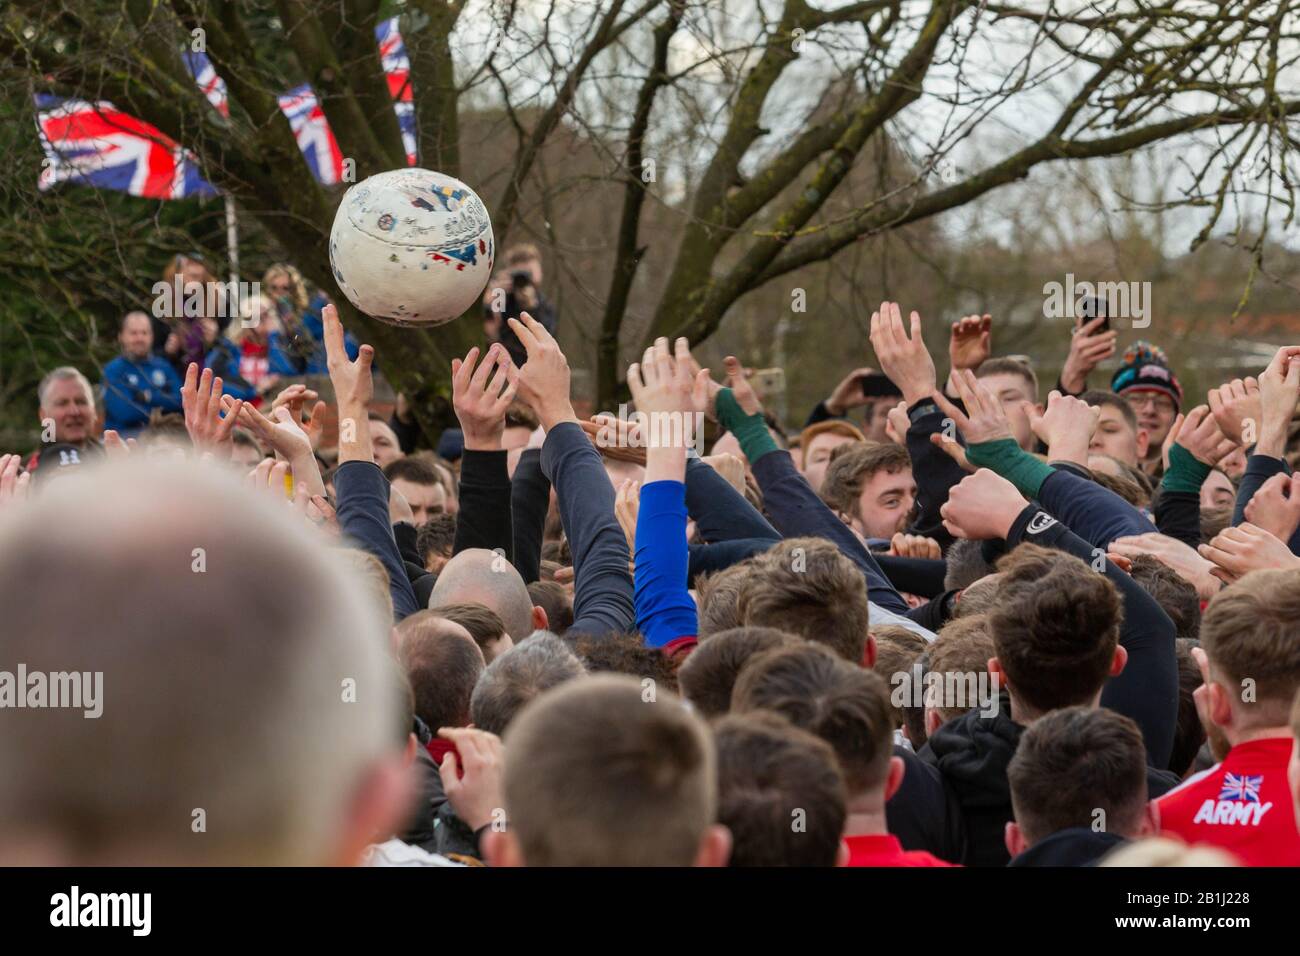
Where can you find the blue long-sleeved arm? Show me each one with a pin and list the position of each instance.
(1259, 469)
(1092, 512)
(721, 513)
(362, 493)
(602, 592)
(122, 411)
(664, 609)
(796, 510)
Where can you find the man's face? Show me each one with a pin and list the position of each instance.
(425, 500)
(817, 456)
(71, 407)
(1217, 491)
(383, 444)
(245, 457)
(885, 503)
(877, 417)
(1156, 413)
(1115, 437)
(136, 337)
(1013, 391)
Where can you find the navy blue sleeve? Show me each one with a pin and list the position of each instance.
(1259, 469)
(1092, 512)
(664, 609)
(721, 513)
(820, 413)
(708, 558)
(530, 499)
(1178, 514)
(796, 510)
(362, 493)
(934, 472)
(920, 576)
(602, 591)
(1147, 689)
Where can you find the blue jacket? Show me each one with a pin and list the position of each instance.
(225, 356)
(133, 389)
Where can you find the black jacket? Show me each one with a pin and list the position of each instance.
(1077, 846)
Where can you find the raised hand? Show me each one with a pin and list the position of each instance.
(1066, 426)
(1279, 389)
(1174, 554)
(914, 546)
(897, 424)
(1237, 408)
(115, 447)
(1089, 347)
(848, 394)
(1275, 507)
(354, 384)
(287, 437)
(201, 400)
(481, 398)
(543, 381)
(984, 418)
(741, 390)
(1245, 548)
(295, 397)
(1199, 433)
(981, 506)
(971, 342)
(660, 384)
(13, 486)
(903, 357)
(729, 467)
(473, 783)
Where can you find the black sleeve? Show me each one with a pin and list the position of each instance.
(1147, 689)
(934, 472)
(923, 814)
(820, 413)
(530, 499)
(484, 517)
(405, 535)
(1178, 514)
(408, 435)
(920, 576)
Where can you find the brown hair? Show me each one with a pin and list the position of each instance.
(1124, 486)
(483, 623)
(1174, 593)
(808, 587)
(719, 597)
(1189, 732)
(897, 650)
(708, 675)
(443, 664)
(779, 793)
(1055, 627)
(1074, 762)
(1251, 630)
(852, 466)
(959, 654)
(599, 776)
(833, 426)
(627, 654)
(846, 706)
(522, 252)
(1010, 366)
(553, 598)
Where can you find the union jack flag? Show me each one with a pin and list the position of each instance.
(96, 144)
(1241, 787)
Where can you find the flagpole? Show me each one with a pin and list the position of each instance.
(232, 238)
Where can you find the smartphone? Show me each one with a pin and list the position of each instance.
(1088, 308)
(878, 385)
(768, 381)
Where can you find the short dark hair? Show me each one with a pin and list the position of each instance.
(531, 667)
(965, 564)
(626, 654)
(435, 536)
(808, 587)
(897, 650)
(960, 653)
(841, 703)
(443, 667)
(413, 469)
(853, 465)
(553, 598)
(719, 597)
(1055, 627)
(1174, 593)
(772, 777)
(1074, 762)
(1098, 398)
(1189, 732)
(483, 623)
(708, 675)
(1006, 365)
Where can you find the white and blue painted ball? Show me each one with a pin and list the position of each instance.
(412, 247)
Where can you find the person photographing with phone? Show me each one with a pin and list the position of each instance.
(516, 290)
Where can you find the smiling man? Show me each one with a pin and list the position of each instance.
(67, 406)
(870, 486)
(1148, 384)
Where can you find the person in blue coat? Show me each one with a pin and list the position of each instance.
(138, 381)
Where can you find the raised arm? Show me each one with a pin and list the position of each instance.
(602, 595)
(480, 397)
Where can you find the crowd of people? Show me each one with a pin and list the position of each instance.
(951, 622)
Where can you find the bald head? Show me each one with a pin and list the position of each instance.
(479, 576)
(229, 693)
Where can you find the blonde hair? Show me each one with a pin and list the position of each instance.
(1161, 851)
(298, 288)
